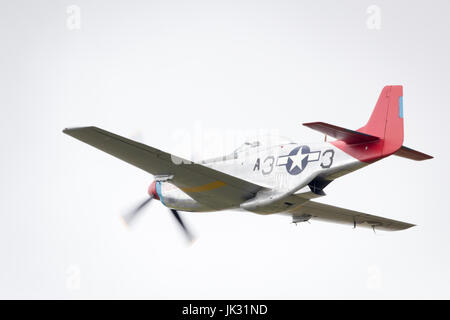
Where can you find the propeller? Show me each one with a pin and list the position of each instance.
(129, 217)
(186, 231)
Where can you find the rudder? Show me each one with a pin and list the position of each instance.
(386, 120)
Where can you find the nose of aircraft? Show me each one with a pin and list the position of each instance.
(152, 189)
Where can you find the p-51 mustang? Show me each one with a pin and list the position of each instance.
(267, 179)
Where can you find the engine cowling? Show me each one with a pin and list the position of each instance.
(173, 197)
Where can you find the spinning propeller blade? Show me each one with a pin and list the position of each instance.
(130, 216)
(186, 231)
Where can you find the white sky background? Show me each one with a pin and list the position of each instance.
(161, 70)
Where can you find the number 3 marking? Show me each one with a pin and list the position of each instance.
(271, 159)
(327, 156)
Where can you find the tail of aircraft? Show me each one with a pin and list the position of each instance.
(382, 136)
(386, 121)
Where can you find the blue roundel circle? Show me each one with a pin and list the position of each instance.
(298, 160)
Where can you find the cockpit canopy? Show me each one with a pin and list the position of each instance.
(247, 146)
(250, 144)
(265, 141)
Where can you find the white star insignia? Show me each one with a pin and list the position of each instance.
(297, 160)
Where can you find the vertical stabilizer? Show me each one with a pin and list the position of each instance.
(386, 121)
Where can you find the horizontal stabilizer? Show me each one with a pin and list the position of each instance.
(346, 135)
(412, 154)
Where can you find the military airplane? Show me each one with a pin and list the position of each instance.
(268, 179)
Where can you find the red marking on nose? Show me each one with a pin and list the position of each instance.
(152, 191)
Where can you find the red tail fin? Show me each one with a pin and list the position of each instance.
(386, 121)
(380, 137)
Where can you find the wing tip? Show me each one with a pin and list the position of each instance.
(404, 226)
(68, 130)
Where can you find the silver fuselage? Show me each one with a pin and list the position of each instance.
(283, 169)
